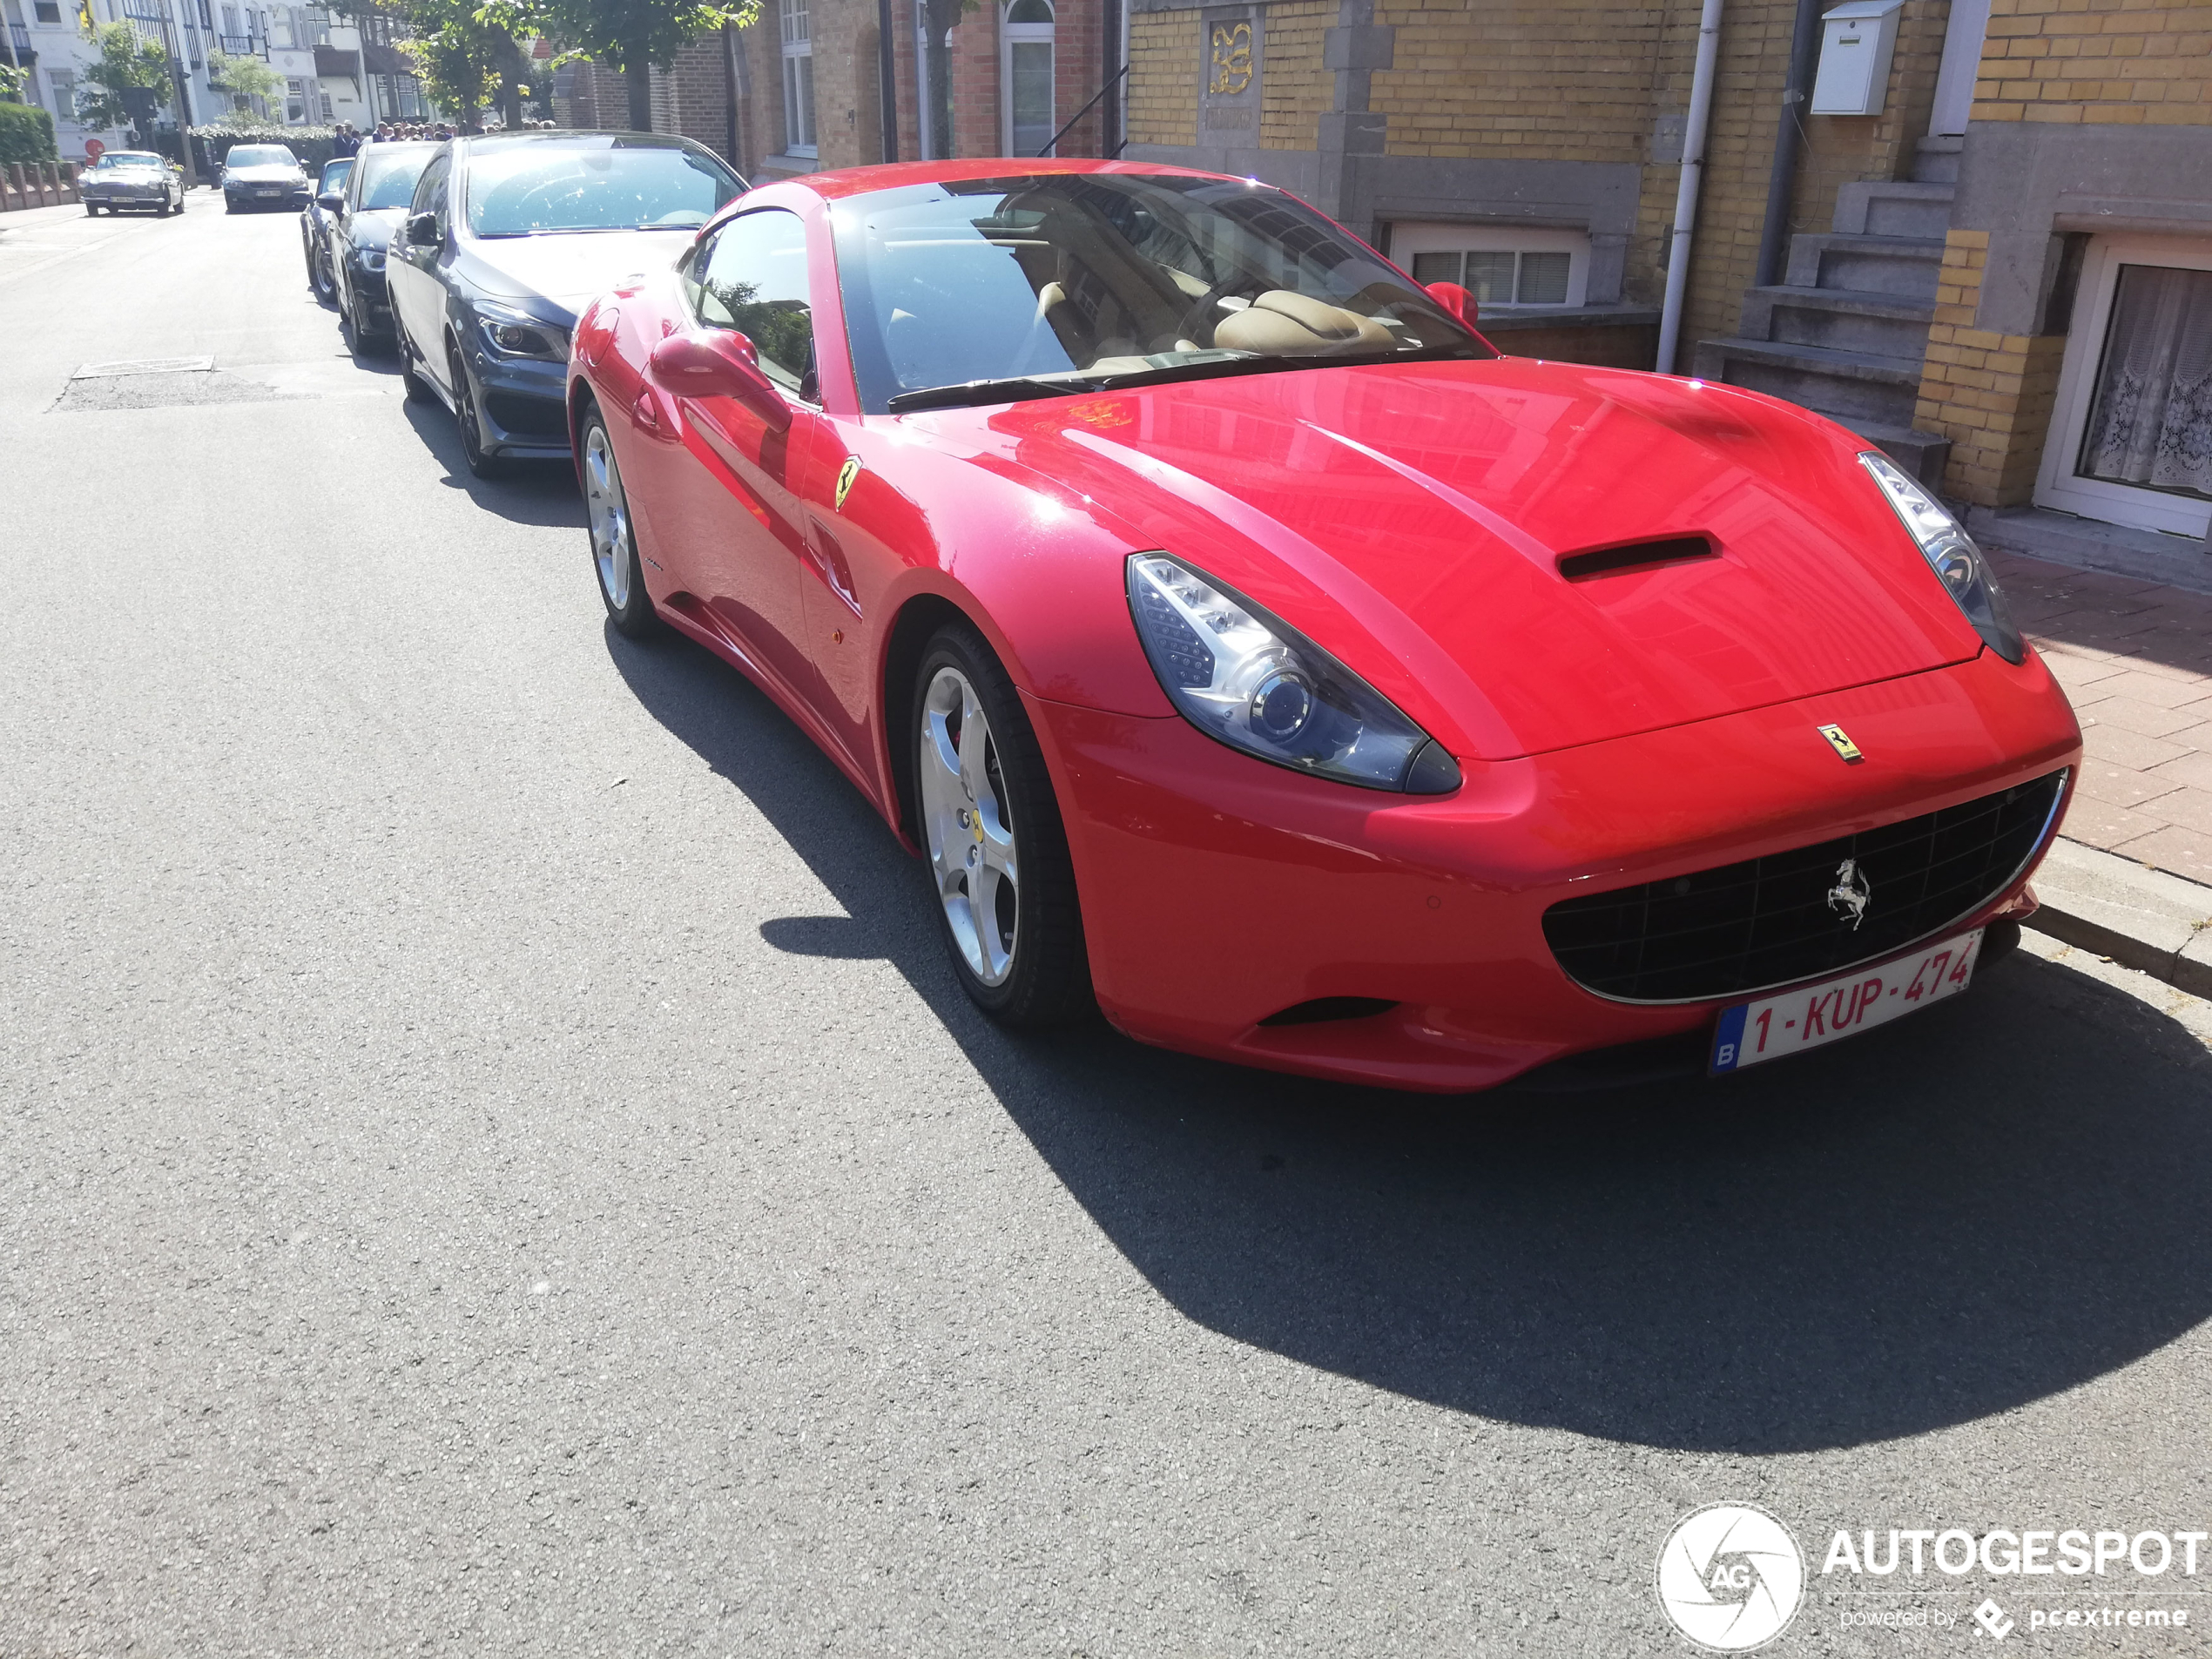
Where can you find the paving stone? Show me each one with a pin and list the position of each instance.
(2192, 767)
(2140, 718)
(2122, 786)
(2125, 748)
(2182, 851)
(2100, 823)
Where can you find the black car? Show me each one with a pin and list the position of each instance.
(263, 175)
(510, 237)
(132, 179)
(362, 222)
(315, 221)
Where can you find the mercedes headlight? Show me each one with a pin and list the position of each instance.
(1963, 566)
(1256, 683)
(516, 334)
(370, 258)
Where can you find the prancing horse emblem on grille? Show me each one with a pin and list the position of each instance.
(1851, 893)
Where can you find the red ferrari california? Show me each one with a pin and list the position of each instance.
(1248, 645)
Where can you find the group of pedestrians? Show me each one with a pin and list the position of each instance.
(350, 139)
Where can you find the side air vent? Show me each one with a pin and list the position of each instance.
(1637, 556)
(1322, 1009)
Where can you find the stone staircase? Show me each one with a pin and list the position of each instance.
(1844, 332)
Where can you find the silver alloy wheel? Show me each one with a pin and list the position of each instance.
(971, 838)
(609, 512)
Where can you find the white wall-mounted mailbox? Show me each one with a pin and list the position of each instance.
(1855, 41)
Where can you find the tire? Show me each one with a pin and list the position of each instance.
(466, 426)
(91, 212)
(614, 563)
(993, 841)
(320, 278)
(418, 389)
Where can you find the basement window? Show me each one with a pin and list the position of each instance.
(1504, 266)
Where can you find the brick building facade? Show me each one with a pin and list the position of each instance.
(2019, 184)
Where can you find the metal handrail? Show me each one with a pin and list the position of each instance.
(1054, 142)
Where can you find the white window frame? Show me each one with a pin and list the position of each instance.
(298, 90)
(2056, 484)
(1010, 36)
(794, 27)
(61, 88)
(1409, 237)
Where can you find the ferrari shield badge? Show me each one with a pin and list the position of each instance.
(845, 474)
(1838, 739)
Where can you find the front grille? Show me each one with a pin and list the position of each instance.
(1772, 921)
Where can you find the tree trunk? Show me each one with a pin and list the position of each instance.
(510, 101)
(638, 74)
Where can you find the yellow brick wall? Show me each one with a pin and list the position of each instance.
(2132, 61)
(1567, 81)
(1163, 78)
(1991, 395)
(1294, 88)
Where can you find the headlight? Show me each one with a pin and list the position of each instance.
(370, 258)
(516, 334)
(1963, 566)
(1257, 685)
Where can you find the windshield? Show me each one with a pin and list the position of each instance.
(126, 158)
(388, 176)
(1083, 276)
(260, 155)
(593, 185)
(333, 174)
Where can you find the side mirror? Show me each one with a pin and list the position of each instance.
(331, 201)
(1455, 300)
(720, 362)
(422, 229)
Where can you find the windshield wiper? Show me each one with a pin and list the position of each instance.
(986, 391)
(1020, 387)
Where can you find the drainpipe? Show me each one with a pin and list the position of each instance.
(1789, 139)
(1693, 171)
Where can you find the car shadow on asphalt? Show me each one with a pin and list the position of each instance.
(532, 492)
(1988, 1203)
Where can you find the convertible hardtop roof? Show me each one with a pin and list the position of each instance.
(842, 182)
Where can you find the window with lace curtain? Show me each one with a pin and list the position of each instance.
(2131, 435)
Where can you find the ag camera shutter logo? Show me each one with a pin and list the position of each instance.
(1731, 1577)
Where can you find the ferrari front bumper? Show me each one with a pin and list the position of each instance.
(1219, 891)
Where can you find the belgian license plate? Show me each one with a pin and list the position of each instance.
(268, 192)
(1806, 1019)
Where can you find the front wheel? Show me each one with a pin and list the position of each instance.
(481, 464)
(614, 541)
(418, 389)
(992, 832)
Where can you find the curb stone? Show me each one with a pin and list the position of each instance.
(2141, 918)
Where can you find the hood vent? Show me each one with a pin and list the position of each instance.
(1637, 556)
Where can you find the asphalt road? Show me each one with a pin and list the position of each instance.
(491, 1160)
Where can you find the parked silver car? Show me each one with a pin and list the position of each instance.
(133, 179)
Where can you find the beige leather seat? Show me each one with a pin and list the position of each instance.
(1283, 324)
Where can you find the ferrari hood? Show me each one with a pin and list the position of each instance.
(571, 268)
(1422, 520)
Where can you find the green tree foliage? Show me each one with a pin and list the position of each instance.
(246, 79)
(12, 81)
(125, 61)
(457, 52)
(631, 35)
